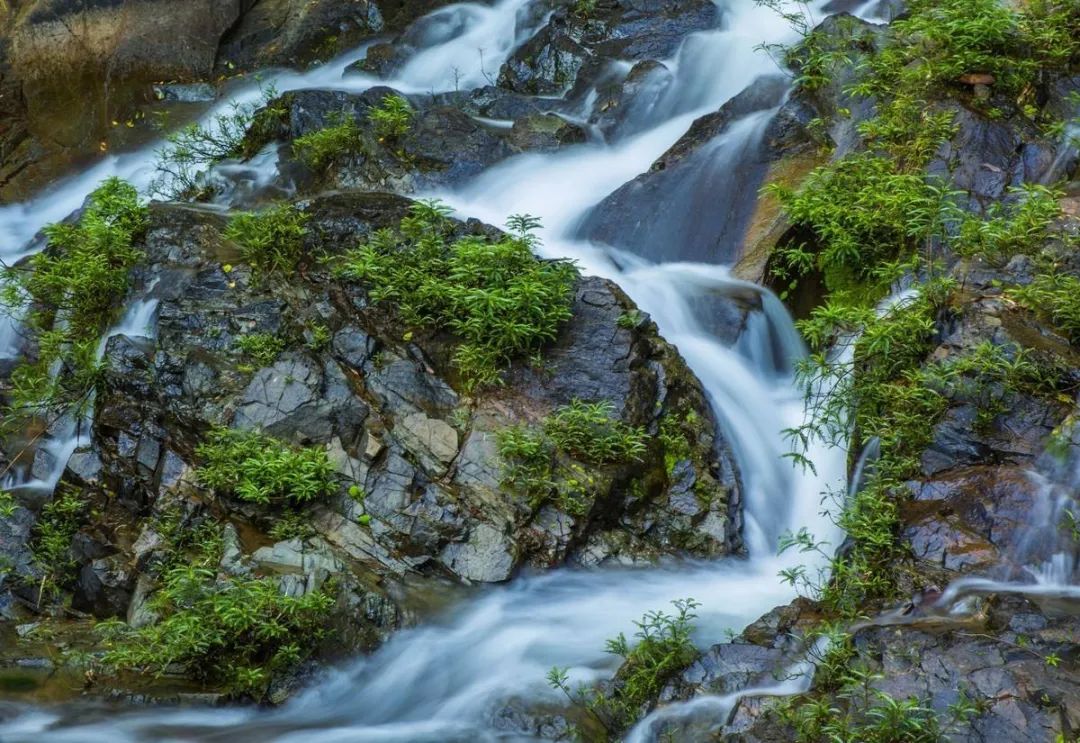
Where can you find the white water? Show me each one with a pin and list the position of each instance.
(443, 681)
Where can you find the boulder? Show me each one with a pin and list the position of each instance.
(721, 159)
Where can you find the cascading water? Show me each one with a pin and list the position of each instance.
(444, 681)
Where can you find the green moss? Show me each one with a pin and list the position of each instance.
(272, 240)
(73, 288)
(260, 469)
(493, 294)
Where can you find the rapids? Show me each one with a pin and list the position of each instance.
(446, 679)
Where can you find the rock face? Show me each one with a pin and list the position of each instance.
(296, 32)
(720, 160)
(95, 60)
(446, 142)
(423, 489)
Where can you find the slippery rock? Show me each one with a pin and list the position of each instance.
(718, 161)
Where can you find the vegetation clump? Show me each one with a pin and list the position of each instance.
(271, 241)
(552, 464)
(57, 525)
(261, 348)
(493, 294)
(392, 118)
(236, 631)
(856, 712)
(320, 148)
(72, 290)
(1055, 296)
(662, 649)
(260, 469)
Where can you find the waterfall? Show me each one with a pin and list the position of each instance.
(443, 681)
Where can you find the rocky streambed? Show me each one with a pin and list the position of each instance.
(464, 538)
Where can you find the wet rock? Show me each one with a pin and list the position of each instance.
(486, 556)
(721, 153)
(545, 133)
(569, 52)
(547, 64)
(15, 552)
(443, 145)
(979, 517)
(297, 32)
(104, 587)
(627, 103)
(185, 93)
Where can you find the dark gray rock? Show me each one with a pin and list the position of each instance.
(720, 160)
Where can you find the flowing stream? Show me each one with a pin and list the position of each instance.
(447, 679)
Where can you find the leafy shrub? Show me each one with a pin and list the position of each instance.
(1055, 296)
(863, 212)
(259, 469)
(539, 463)
(663, 648)
(1014, 227)
(589, 432)
(73, 288)
(392, 118)
(272, 240)
(325, 146)
(495, 295)
(57, 525)
(237, 631)
(262, 348)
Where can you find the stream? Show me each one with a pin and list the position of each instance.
(446, 679)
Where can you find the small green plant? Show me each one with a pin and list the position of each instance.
(292, 525)
(72, 289)
(8, 504)
(844, 705)
(318, 337)
(271, 241)
(262, 348)
(57, 525)
(357, 494)
(494, 295)
(392, 118)
(584, 9)
(1016, 227)
(630, 319)
(259, 469)
(1055, 296)
(321, 148)
(663, 648)
(546, 464)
